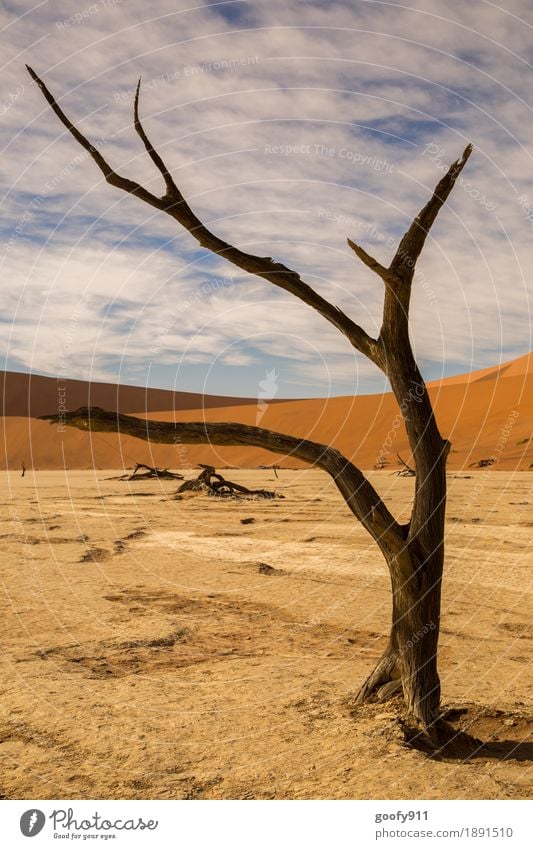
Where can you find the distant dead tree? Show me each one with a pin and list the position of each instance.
(152, 472)
(414, 551)
(483, 464)
(406, 471)
(381, 461)
(274, 468)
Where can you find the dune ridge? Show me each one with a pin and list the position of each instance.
(485, 414)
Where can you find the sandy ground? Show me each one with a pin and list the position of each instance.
(148, 653)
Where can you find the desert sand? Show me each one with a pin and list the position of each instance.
(485, 414)
(162, 648)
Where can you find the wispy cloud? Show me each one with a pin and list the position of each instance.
(288, 128)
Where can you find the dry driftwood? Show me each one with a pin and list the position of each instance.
(210, 481)
(154, 472)
(151, 472)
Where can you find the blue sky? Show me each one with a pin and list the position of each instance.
(288, 128)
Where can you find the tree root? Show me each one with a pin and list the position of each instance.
(383, 683)
(438, 739)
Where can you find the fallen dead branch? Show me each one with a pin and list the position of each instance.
(150, 472)
(213, 483)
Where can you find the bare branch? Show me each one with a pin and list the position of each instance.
(428, 448)
(358, 492)
(403, 263)
(175, 205)
(372, 263)
(394, 333)
(110, 175)
(412, 243)
(172, 189)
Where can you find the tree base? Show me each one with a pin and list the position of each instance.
(459, 735)
(424, 731)
(440, 739)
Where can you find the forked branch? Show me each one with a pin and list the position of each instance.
(428, 448)
(175, 205)
(371, 262)
(398, 275)
(412, 242)
(172, 190)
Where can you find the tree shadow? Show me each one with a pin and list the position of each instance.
(503, 736)
(503, 750)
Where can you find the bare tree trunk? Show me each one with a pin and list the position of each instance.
(410, 660)
(416, 574)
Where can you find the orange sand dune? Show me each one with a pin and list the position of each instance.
(515, 368)
(484, 414)
(35, 395)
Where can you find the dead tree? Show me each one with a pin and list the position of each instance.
(406, 471)
(483, 464)
(274, 468)
(381, 461)
(414, 551)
